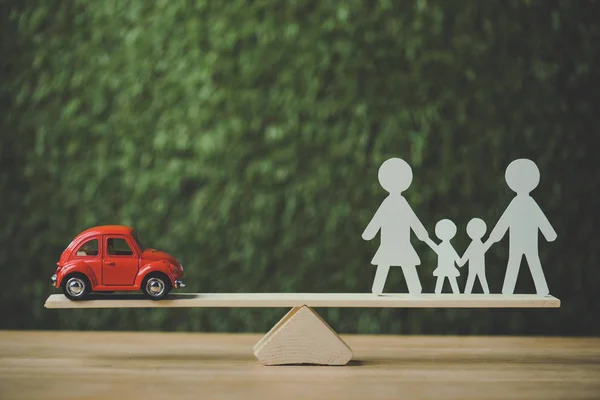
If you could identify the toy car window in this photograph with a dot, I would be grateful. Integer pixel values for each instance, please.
(118, 247)
(89, 248)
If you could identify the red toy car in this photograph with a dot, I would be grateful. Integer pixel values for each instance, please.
(113, 258)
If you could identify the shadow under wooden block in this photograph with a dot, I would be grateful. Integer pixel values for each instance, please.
(302, 337)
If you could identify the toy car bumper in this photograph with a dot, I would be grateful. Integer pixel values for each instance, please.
(179, 284)
(53, 280)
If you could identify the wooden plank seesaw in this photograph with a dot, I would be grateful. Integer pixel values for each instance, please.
(302, 336)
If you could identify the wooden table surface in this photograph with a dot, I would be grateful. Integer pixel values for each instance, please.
(115, 365)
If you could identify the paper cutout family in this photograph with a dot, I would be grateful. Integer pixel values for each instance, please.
(394, 219)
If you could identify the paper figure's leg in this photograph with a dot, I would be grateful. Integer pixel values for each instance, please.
(454, 284)
(439, 284)
(412, 279)
(483, 281)
(470, 282)
(535, 266)
(380, 278)
(512, 271)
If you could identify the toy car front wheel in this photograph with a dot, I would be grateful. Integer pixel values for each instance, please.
(156, 286)
(75, 287)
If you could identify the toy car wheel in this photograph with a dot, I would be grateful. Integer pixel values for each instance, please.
(156, 286)
(76, 287)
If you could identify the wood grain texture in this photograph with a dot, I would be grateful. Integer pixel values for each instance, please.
(302, 337)
(122, 365)
(398, 300)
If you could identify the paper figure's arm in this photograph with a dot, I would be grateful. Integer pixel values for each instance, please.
(417, 226)
(545, 226)
(456, 256)
(431, 244)
(487, 245)
(374, 225)
(501, 226)
(463, 260)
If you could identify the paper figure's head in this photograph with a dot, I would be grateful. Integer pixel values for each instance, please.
(395, 175)
(445, 229)
(522, 176)
(476, 228)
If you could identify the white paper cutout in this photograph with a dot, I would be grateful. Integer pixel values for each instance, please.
(395, 218)
(475, 255)
(445, 230)
(522, 219)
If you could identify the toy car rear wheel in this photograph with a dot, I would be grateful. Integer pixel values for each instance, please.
(156, 286)
(76, 286)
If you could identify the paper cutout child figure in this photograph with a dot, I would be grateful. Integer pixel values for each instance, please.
(395, 218)
(523, 218)
(447, 256)
(475, 255)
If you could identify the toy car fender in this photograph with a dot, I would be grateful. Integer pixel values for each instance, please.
(76, 267)
(161, 266)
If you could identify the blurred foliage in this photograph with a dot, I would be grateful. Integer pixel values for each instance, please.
(244, 138)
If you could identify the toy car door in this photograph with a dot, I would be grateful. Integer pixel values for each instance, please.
(120, 262)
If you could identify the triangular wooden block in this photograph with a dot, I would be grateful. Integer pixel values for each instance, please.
(302, 337)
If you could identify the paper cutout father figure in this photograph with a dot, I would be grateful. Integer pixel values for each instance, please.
(522, 219)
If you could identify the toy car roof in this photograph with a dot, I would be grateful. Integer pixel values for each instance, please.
(107, 229)
(96, 230)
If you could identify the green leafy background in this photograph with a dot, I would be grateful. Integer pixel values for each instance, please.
(244, 138)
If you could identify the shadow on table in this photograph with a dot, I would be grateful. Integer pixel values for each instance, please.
(131, 296)
(200, 357)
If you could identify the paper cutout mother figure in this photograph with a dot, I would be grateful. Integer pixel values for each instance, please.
(395, 218)
(522, 218)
